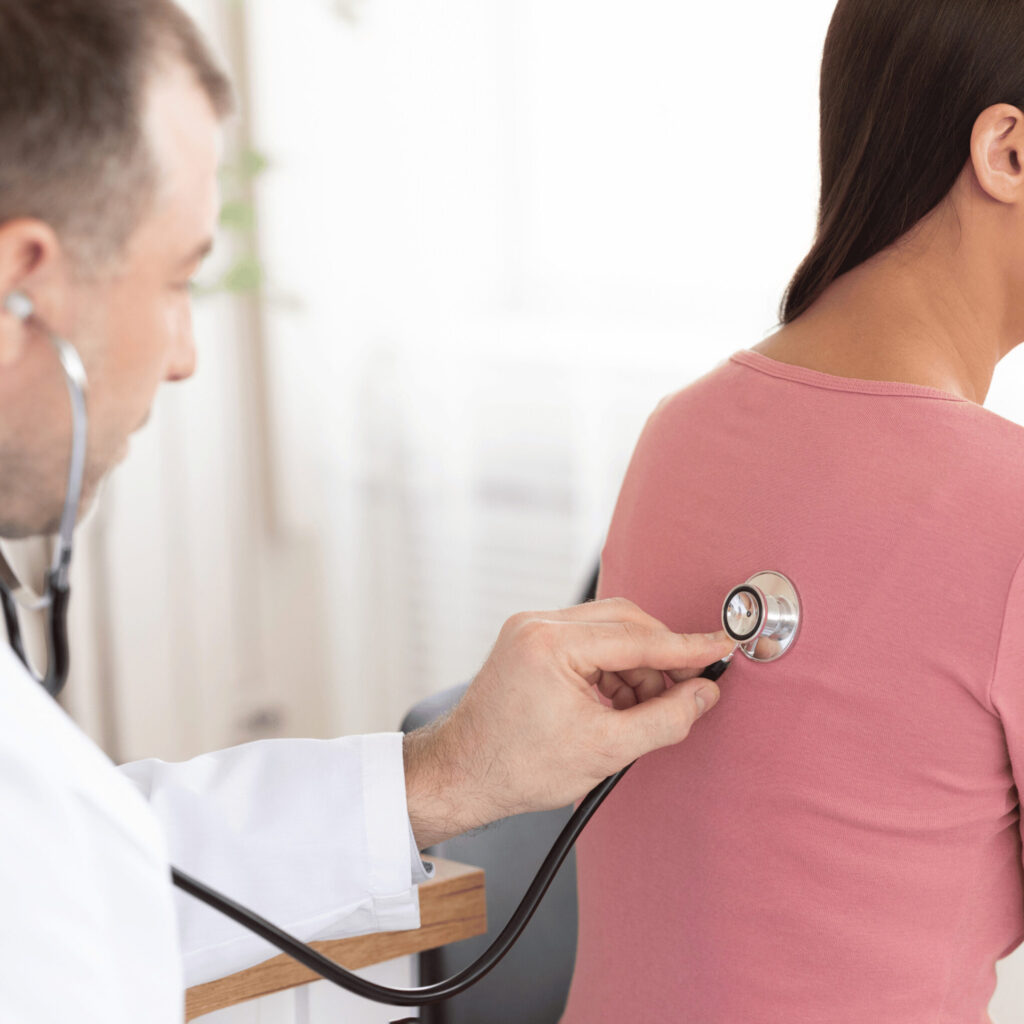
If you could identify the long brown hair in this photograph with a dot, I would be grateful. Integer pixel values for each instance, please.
(902, 83)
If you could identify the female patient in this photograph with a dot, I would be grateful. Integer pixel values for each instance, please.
(839, 838)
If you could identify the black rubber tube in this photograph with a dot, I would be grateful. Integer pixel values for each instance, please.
(427, 994)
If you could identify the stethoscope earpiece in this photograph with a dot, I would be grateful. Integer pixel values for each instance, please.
(19, 305)
(762, 615)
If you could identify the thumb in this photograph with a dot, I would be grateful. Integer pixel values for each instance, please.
(665, 719)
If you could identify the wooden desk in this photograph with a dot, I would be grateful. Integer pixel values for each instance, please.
(452, 907)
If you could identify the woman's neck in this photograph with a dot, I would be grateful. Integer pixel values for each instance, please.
(923, 313)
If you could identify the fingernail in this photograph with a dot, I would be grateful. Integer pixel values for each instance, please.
(706, 697)
(717, 638)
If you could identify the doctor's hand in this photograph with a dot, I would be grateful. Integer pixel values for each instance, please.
(531, 734)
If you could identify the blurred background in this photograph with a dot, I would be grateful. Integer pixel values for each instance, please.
(465, 249)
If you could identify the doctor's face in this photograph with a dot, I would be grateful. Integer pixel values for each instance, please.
(131, 323)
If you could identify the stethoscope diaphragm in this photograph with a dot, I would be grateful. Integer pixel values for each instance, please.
(762, 615)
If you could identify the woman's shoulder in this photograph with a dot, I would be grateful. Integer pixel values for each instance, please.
(929, 436)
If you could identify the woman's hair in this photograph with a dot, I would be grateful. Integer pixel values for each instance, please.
(902, 83)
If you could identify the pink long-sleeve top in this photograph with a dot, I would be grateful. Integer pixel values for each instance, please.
(838, 840)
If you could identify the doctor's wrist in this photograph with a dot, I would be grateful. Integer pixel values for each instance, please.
(443, 791)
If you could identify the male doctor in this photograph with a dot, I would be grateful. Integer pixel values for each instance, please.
(109, 141)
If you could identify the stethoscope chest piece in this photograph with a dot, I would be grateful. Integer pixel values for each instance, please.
(762, 616)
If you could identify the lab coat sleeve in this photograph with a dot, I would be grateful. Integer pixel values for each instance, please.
(314, 835)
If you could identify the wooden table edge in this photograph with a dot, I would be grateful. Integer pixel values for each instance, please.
(453, 906)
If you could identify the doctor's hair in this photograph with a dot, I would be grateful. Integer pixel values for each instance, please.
(902, 83)
(73, 78)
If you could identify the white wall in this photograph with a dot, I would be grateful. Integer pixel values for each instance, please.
(512, 227)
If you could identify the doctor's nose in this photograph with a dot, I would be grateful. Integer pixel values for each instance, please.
(182, 363)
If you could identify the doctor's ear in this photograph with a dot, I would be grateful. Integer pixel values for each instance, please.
(31, 264)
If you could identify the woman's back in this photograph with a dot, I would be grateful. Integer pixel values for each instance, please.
(838, 839)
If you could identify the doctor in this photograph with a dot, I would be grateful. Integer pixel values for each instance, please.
(109, 126)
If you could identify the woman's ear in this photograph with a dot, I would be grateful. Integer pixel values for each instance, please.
(997, 151)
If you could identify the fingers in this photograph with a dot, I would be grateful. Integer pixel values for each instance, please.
(624, 689)
(609, 609)
(621, 610)
(591, 648)
(646, 683)
(662, 721)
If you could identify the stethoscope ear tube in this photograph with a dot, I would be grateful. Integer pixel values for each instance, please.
(57, 593)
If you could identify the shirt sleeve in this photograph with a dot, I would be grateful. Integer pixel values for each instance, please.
(1007, 685)
(314, 835)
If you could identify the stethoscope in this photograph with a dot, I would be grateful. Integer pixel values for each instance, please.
(54, 600)
(762, 616)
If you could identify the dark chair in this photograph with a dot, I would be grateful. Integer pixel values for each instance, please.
(532, 982)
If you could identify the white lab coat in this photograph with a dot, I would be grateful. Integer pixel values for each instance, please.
(313, 834)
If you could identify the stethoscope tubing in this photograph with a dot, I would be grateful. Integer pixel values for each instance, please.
(468, 976)
(57, 591)
(439, 991)
(55, 604)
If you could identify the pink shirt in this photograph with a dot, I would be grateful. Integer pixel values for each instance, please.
(838, 840)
